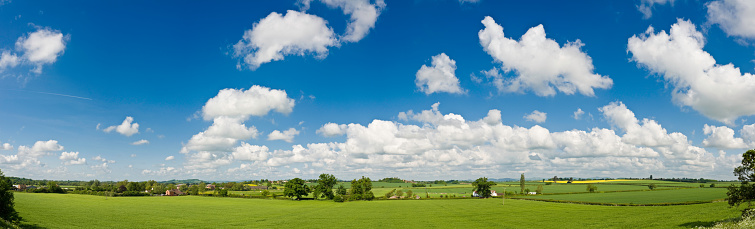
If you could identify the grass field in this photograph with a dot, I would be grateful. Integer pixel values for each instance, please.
(643, 197)
(84, 211)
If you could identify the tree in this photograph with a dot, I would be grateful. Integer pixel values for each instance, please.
(361, 189)
(591, 188)
(482, 186)
(746, 174)
(296, 188)
(521, 183)
(555, 178)
(409, 194)
(389, 194)
(651, 186)
(651, 177)
(539, 189)
(7, 210)
(341, 190)
(325, 186)
(399, 193)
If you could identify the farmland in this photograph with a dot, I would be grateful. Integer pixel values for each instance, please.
(77, 211)
(84, 211)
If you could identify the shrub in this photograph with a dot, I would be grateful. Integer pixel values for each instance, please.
(712, 185)
(651, 186)
(338, 198)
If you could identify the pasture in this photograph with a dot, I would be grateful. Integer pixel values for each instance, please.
(85, 211)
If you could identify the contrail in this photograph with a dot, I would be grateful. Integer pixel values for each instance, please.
(48, 93)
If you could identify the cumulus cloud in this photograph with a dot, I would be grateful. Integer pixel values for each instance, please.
(541, 63)
(646, 6)
(8, 60)
(363, 15)
(735, 17)
(748, 134)
(578, 114)
(331, 129)
(257, 101)
(276, 36)
(439, 77)
(72, 158)
(127, 128)
(286, 135)
(170, 158)
(448, 142)
(140, 142)
(228, 111)
(649, 133)
(536, 116)
(720, 92)
(722, 137)
(6, 146)
(35, 49)
(247, 152)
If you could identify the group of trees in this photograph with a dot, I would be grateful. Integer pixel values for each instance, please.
(7, 210)
(360, 189)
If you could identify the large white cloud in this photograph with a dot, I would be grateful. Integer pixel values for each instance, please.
(127, 128)
(228, 110)
(276, 36)
(6, 146)
(286, 135)
(72, 158)
(735, 17)
(42, 47)
(257, 101)
(541, 63)
(439, 77)
(720, 92)
(646, 6)
(722, 137)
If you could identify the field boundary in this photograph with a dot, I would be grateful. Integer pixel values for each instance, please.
(621, 204)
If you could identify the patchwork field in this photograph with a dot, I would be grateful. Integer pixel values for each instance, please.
(643, 197)
(84, 211)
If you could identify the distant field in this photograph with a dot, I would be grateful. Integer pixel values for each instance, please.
(644, 197)
(84, 211)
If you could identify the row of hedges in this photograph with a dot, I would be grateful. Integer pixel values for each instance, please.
(619, 204)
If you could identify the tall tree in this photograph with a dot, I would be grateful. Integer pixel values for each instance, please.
(482, 186)
(325, 186)
(296, 188)
(361, 189)
(7, 211)
(521, 183)
(745, 193)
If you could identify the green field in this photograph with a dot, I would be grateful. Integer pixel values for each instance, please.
(643, 197)
(84, 211)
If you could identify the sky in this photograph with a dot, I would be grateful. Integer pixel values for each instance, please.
(422, 89)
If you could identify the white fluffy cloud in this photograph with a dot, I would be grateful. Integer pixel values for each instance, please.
(646, 6)
(536, 116)
(363, 16)
(229, 110)
(286, 135)
(140, 142)
(257, 101)
(72, 158)
(722, 137)
(720, 92)
(6, 146)
(439, 77)
(650, 133)
(331, 130)
(127, 128)
(42, 47)
(169, 158)
(247, 152)
(8, 60)
(735, 17)
(578, 114)
(276, 36)
(541, 63)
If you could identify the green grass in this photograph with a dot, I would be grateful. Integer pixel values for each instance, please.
(643, 197)
(84, 211)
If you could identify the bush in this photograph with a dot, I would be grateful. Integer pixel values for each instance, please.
(651, 186)
(591, 188)
(712, 185)
(702, 185)
(338, 198)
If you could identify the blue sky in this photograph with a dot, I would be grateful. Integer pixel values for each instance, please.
(421, 90)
